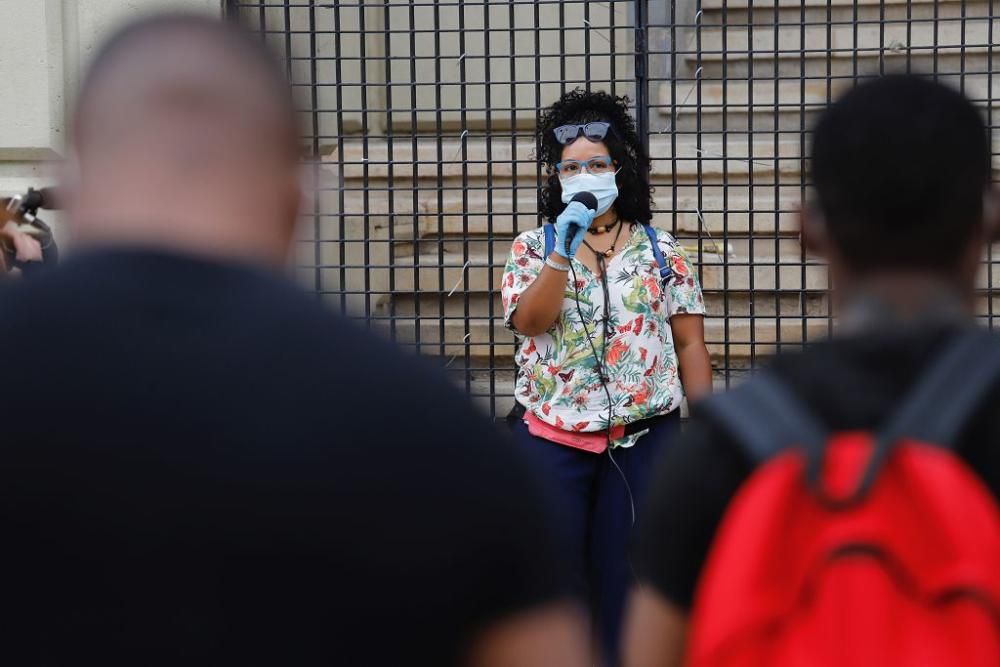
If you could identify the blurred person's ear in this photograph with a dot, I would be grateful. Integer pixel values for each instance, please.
(294, 198)
(68, 175)
(812, 232)
(991, 215)
(292, 203)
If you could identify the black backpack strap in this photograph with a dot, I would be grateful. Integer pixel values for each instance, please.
(764, 417)
(950, 391)
(943, 401)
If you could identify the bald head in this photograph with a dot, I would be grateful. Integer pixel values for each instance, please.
(185, 133)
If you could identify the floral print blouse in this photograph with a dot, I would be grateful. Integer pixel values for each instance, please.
(557, 379)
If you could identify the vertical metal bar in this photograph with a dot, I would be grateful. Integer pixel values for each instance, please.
(464, 152)
(881, 38)
(642, 73)
(315, 149)
(674, 68)
(751, 194)
(439, 184)
(490, 259)
(539, 103)
(804, 167)
(723, 115)
(936, 41)
(612, 40)
(699, 158)
(909, 36)
(776, 183)
(961, 42)
(286, 6)
(390, 141)
(514, 176)
(562, 42)
(415, 178)
(586, 46)
(990, 41)
(341, 146)
(365, 157)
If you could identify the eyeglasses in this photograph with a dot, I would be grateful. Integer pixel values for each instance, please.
(595, 165)
(596, 131)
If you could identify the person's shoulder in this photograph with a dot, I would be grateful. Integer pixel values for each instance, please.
(531, 238)
(48, 294)
(664, 238)
(527, 248)
(664, 235)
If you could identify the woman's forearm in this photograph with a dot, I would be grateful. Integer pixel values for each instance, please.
(695, 370)
(692, 355)
(539, 305)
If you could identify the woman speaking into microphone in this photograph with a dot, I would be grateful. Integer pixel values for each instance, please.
(611, 315)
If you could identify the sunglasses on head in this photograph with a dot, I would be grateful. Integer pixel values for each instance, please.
(596, 131)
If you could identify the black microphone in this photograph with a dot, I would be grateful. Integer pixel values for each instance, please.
(587, 199)
(47, 198)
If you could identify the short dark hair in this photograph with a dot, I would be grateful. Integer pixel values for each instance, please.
(634, 202)
(248, 47)
(900, 166)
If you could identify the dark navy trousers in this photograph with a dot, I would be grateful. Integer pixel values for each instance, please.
(594, 509)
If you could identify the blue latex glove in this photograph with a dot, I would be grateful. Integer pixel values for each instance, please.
(572, 223)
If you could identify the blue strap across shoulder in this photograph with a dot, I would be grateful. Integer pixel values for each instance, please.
(665, 271)
(550, 238)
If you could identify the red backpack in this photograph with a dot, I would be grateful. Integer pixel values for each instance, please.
(856, 548)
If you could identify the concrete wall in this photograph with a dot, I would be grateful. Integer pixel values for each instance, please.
(46, 46)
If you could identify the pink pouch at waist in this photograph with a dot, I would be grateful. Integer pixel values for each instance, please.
(595, 442)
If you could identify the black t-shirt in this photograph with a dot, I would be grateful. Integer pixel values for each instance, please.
(849, 383)
(201, 465)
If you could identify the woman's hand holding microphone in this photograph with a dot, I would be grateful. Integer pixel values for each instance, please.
(541, 303)
(572, 224)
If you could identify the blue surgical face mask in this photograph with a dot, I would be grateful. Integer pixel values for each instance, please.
(602, 186)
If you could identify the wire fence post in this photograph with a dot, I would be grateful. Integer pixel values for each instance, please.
(642, 71)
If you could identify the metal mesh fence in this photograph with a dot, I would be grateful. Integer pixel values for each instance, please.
(420, 117)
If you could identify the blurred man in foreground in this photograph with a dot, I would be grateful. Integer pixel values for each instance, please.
(869, 533)
(202, 466)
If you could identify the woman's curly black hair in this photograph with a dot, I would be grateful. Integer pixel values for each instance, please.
(635, 198)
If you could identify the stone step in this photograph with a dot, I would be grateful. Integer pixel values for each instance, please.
(864, 13)
(357, 270)
(769, 43)
(690, 213)
(733, 337)
(734, 39)
(487, 305)
(452, 273)
(368, 163)
(718, 5)
(495, 249)
(795, 288)
(712, 8)
(454, 336)
(771, 104)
